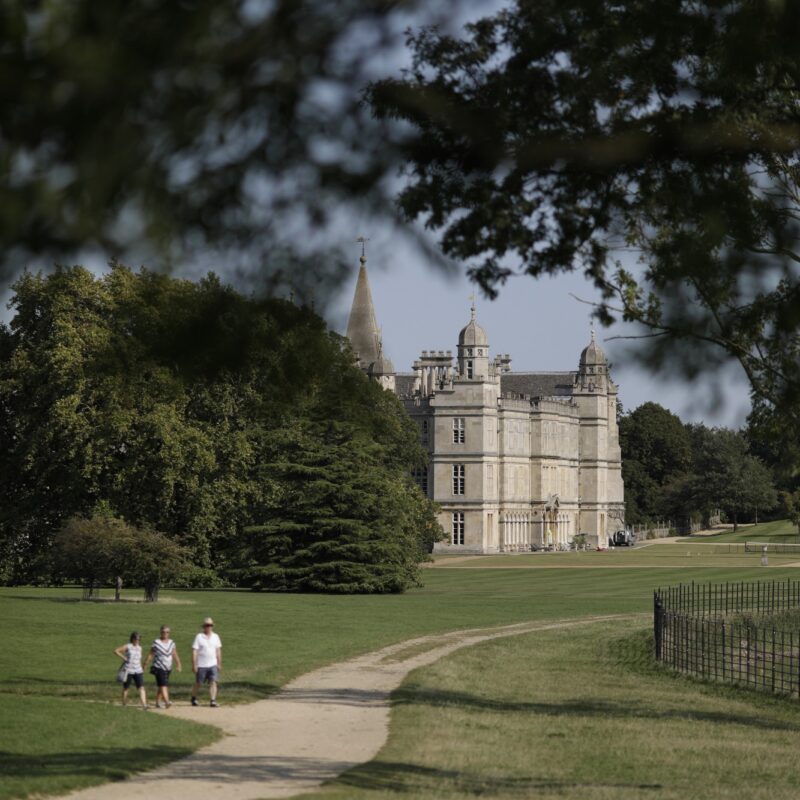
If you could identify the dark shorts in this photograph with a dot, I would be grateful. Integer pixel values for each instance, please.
(207, 675)
(136, 677)
(162, 676)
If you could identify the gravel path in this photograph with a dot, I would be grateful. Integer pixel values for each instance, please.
(312, 730)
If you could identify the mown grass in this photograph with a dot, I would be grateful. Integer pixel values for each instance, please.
(781, 530)
(578, 713)
(50, 746)
(689, 554)
(61, 649)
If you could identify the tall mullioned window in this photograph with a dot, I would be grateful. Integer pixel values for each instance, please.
(458, 478)
(457, 535)
(424, 432)
(421, 477)
(458, 430)
(469, 369)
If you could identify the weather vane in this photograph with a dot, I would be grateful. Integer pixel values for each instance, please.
(362, 240)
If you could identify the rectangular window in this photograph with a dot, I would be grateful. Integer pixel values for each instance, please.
(458, 430)
(469, 369)
(458, 478)
(424, 434)
(490, 478)
(457, 536)
(421, 478)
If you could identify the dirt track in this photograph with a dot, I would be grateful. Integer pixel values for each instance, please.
(315, 728)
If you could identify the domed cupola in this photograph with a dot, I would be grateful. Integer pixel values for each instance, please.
(472, 335)
(593, 355)
(593, 368)
(473, 350)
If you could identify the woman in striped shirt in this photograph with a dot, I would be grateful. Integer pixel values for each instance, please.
(131, 654)
(161, 653)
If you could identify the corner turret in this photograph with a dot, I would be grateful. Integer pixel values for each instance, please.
(473, 351)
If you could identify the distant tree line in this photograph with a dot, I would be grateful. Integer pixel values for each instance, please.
(685, 471)
(240, 431)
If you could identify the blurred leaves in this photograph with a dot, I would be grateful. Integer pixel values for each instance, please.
(164, 131)
(559, 134)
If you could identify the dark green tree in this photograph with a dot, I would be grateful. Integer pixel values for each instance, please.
(726, 476)
(550, 135)
(91, 551)
(767, 439)
(656, 450)
(150, 560)
(790, 506)
(96, 550)
(165, 399)
(342, 520)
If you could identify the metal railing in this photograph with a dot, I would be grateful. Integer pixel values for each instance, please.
(742, 633)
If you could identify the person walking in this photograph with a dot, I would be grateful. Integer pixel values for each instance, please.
(206, 661)
(131, 654)
(162, 652)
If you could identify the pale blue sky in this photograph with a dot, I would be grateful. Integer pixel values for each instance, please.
(537, 322)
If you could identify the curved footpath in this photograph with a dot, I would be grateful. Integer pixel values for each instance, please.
(315, 728)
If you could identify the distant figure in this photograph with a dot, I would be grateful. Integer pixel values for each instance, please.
(131, 654)
(162, 651)
(206, 661)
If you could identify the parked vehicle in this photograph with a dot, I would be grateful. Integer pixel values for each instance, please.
(624, 538)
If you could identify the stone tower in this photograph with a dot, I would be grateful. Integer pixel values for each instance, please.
(600, 488)
(364, 334)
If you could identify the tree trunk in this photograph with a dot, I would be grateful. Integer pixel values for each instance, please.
(735, 522)
(118, 589)
(151, 593)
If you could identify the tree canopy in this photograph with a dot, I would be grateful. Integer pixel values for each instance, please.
(656, 449)
(681, 471)
(101, 548)
(554, 136)
(166, 400)
(165, 132)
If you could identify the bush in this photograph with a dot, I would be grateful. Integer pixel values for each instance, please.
(96, 550)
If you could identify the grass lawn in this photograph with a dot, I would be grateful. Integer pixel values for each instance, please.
(48, 746)
(578, 713)
(687, 554)
(61, 649)
(780, 530)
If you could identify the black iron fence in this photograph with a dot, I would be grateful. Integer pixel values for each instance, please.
(772, 547)
(742, 633)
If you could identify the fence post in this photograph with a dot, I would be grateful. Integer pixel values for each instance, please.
(658, 624)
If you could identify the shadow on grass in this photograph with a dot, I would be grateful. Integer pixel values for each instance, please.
(48, 687)
(579, 707)
(101, 763)
(417, 780)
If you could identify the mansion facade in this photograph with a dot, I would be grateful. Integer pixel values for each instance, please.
(518, 460)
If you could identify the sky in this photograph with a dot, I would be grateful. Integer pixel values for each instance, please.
(538, 322)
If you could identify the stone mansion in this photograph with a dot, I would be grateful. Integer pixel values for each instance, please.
(518, 460)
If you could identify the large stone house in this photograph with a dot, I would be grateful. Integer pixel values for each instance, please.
(518, 460)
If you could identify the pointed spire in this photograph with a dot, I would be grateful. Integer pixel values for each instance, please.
(362, 327)
(472, 306)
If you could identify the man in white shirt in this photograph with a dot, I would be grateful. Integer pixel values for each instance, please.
(206, 661)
